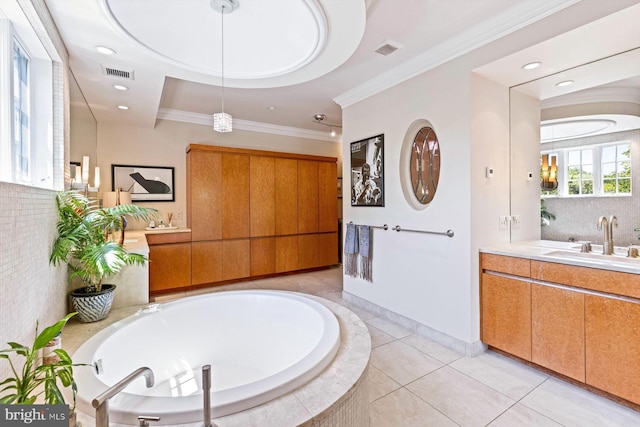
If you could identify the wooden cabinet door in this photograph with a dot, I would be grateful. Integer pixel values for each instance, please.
(263, 256)
(506, 314)
(307, 196)
(235, 196)
(169, 266)
(327, 249)
(613, 346)
(327, 197)
(286, 184)
(236, 259)
(557, 330)
(308, 251)
(262, 200)
(286, 253)
(206, 262)
(204, 189)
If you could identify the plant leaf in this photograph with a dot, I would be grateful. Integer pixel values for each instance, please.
(50, 332)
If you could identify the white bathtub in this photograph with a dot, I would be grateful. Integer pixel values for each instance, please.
(260, 345)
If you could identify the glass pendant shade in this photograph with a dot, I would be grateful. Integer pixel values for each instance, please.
(222, 122)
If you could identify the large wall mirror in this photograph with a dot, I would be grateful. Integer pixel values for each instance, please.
(83, 129)
(593, 136)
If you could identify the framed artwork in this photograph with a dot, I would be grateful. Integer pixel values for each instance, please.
(367, 172)
(145, 183)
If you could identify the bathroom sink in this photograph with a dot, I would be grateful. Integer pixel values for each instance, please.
(596, 259)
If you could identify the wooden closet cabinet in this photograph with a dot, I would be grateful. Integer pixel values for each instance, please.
(257, 213)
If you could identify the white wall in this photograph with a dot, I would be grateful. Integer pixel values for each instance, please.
(525, 158)
(165, 145)
(423, 277)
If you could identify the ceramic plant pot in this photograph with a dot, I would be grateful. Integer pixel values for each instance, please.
(92, 306)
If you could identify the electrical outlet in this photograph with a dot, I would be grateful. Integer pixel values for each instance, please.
(504, 222)
(515, 219)
(179, 215)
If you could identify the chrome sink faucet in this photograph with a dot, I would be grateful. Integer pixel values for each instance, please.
(607, 225)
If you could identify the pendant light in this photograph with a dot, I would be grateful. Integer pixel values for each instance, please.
(223, 122)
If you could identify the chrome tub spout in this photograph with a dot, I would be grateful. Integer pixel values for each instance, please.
(101, 403)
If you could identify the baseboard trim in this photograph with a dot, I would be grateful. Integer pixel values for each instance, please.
(455, 344)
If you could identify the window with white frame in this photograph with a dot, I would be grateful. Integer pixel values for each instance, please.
(26, 102)
(616, 169)
(598, 170)
(580, 171)
(21, 148)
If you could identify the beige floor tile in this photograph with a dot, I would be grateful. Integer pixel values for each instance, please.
(461, 398)
(380, 384)
(378, 337)
(403, 409)
(509, 377)
(520, 415)
(390, 328)
(402, 363)
(431, 348)
(572, 406)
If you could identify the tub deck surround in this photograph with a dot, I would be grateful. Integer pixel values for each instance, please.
(338, 395)
(573, 314)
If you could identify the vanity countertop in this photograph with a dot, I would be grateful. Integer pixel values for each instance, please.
(567, 253)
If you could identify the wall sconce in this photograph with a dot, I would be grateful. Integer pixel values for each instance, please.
(81, 178)
(549, 173)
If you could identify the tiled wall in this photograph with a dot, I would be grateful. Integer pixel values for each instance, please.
(30, 289)
(577, 218)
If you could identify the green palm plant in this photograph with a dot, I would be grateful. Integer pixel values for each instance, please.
(83, 238)
(34, 380)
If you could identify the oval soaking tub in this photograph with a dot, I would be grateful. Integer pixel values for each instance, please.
(260, 345)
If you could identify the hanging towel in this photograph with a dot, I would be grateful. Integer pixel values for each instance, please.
(351, 251)
(365, 269)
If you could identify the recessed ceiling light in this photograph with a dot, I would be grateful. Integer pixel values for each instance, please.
(271, 107)
(120, 87)
(531, 65)
(565, 83)
(123, 107)
(105, 50)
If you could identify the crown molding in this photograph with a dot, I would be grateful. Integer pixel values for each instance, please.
(513, 19)
(589, 96)
(247, 125)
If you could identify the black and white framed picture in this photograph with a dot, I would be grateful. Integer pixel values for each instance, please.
(145, 183)
(367, 172)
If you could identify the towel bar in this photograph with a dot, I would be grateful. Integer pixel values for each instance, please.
(448, 233)
(382, 227)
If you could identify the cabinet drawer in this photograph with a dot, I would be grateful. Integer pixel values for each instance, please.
(612, 282)
(164, 238)
(506, 264)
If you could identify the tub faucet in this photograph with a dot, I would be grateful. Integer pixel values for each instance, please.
(206, 394)
(101, 403)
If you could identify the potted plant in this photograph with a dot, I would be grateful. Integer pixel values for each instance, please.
(84, 243)
(36, 382)
(545, 216)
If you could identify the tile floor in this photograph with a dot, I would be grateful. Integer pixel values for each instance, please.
(417, 382)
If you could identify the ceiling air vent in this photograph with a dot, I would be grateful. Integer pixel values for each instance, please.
(114, 72)
(387, 47)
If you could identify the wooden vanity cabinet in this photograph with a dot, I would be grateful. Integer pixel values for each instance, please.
(613, 346)
(557, 330)
(169, 260)
(506, 314)
(583, 321)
